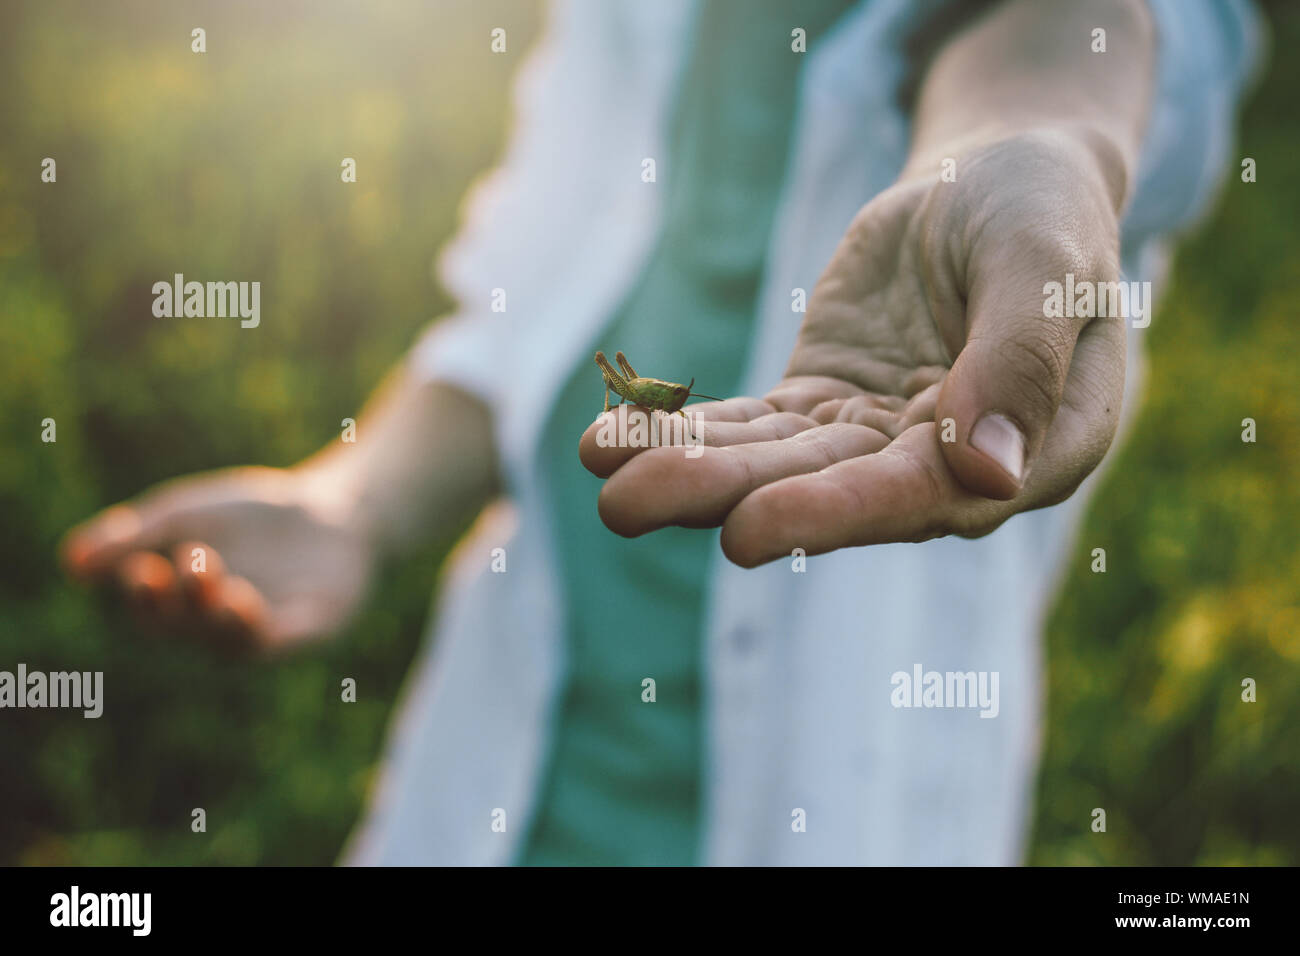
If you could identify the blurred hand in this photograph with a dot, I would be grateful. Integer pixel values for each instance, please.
(931, 309)
(279, 564)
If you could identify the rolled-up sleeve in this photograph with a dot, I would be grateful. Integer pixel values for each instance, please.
(1207, 53)
(503, 232)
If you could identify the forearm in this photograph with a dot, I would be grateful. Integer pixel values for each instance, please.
(1029, 65)
(422, 465)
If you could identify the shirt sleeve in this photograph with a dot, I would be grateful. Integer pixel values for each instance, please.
(1207, 53)
(463, 348)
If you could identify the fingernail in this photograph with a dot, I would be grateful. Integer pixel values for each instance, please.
(996, 436)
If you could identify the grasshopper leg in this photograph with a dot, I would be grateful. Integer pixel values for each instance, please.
(625, 365)
(689, 424)
(608, 406)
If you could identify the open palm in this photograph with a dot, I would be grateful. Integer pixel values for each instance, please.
(926, 380)
(243, 558)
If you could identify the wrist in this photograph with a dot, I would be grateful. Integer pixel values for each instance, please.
(332, 485)
(422, 467)
(1098, 154)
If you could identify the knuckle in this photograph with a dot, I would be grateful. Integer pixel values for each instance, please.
(1039, 369)
(1063, 491)
(974, 526)
(936, 494)
(977, 533)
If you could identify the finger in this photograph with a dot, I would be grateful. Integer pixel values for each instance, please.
(826, 412)
(239, 617)
(1089, 414)
(1006, 384)
(803, 393)
(901, 493)
(200, 572)
(94, 547)
(85, 549)
(662, 487)
(149, 588)
(829, 411)
(920, 408)
(855, 411)
(742, 408)
(620, 435)
(907, 492)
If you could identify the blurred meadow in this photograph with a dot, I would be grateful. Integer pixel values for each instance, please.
(226, 166)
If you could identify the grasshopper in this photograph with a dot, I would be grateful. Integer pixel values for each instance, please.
(652, 393)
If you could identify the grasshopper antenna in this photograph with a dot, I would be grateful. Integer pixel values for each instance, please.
(690, 394)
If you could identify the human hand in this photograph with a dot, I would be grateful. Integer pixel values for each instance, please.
(280, 561)
(928, 324)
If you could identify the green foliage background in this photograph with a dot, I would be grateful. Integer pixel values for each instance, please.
(1202, 588)
(226, 165)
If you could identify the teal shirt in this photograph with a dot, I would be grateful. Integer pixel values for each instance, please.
(623, 783)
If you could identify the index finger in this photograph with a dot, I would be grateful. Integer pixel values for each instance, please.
(93, 547)
(622, 433)
(904, 492)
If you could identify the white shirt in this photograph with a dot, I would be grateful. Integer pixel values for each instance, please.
(799, 665)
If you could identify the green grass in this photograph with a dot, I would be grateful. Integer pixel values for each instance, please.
(1202, 588)
(223, 166)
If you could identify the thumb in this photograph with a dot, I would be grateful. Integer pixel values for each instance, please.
(95, 546)
(1003, 391)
